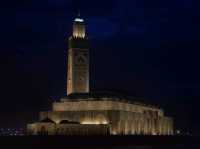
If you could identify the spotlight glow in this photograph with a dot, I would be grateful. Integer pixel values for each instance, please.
(79, 20)
(94, 122)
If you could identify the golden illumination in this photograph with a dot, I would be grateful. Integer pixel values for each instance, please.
(154, 133)
(79, 32)
(79, 28)
(94, 122)
(107, 113)
(114, 133)
(57, 121)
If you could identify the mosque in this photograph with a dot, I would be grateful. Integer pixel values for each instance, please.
(83, 112)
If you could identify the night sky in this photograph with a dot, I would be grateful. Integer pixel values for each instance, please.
(148, 49)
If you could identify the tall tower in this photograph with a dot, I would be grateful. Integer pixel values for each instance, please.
(78, 59)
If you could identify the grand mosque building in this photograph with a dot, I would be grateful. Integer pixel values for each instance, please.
(83, 112)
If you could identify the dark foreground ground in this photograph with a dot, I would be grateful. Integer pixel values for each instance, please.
(101, 142)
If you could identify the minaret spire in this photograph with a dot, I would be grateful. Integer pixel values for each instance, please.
(79, 27)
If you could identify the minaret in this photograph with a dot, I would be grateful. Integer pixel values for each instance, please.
(78, 59)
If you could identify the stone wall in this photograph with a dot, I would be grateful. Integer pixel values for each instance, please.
(121, 122)
(67, 129)
(105, 105)
(40, 128)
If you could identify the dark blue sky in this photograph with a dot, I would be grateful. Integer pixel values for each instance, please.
(145, 48)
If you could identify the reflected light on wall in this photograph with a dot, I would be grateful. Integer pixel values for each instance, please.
(79, 33)
(79, 28)
(154, 133)
(114, 133)
(57, 121)
(94, 122)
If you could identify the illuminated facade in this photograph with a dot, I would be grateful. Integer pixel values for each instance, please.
(78, 59)
(86, 113)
